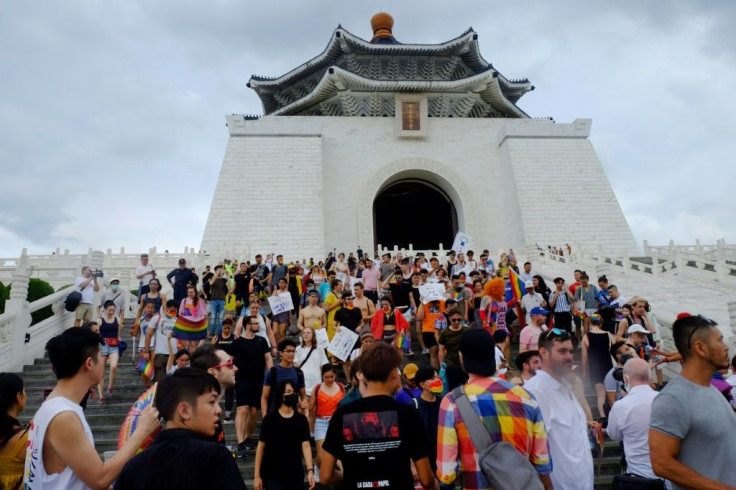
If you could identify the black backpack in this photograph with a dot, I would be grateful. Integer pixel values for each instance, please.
(72, 301)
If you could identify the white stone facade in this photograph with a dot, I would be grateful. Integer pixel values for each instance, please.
(303, 185)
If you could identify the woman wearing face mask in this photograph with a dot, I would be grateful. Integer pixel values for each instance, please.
(428, 405)
(13, 435)
(279, 458)
(388, 322)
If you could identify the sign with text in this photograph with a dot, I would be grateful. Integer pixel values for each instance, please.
(432, 291)
(461, 243)
(323, 341)
(342, 343)
(280, 303)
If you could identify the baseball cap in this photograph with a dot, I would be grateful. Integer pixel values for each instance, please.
(366, 333)
(537, 310)
(477, 348)
(636, 328)
(113, 279)
(529, 284)
(182, 261)
(410, 370)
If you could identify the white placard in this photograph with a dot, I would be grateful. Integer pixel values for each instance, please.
(432, 291)
(342, 343)
(280, 303)
(354, 281)
(323, 341)
(461, 243)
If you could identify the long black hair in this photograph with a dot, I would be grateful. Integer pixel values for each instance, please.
(278, 394)
(10, 385)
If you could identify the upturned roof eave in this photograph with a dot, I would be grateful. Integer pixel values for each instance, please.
(334, 49)
(327, 87)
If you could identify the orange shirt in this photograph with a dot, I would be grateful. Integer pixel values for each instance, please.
(327, 404)
(431, 312)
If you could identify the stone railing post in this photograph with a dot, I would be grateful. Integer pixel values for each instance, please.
(732, 316)
(18, 304)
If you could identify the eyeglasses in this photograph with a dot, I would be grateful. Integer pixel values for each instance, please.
(456, 320)
(701, 322)
(224, 364)
(290, 351)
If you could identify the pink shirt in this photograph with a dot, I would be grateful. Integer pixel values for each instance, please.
(370, 278)
(529, 337)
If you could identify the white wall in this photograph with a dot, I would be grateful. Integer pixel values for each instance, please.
(329, 169)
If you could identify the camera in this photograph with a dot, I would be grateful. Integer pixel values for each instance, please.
(97, 273)
(618, 373)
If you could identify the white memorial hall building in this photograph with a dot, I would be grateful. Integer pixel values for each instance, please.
(391, 143)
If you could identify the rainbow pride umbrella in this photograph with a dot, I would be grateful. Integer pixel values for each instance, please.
(131, 420)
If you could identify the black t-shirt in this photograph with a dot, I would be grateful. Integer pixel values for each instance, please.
(283, 437)
(430, 412)
(259, 272)
(375, 437)
(249, 359)
(242, 283)
(400, 292)
(349, 318)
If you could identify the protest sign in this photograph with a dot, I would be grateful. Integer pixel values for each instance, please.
(322, 340)
(342, 343)
(432, 291)
(461, 243)
(280, 303)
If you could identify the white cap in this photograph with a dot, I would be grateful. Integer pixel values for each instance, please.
(529, 284)
(636, 328)
(113, 279)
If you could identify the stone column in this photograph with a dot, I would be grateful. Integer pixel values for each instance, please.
(18, 304)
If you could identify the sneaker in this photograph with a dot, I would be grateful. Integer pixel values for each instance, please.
(240, 451)
(227, 421)
(110, 392)
(425, 351)
(250, 444)
(410, 353)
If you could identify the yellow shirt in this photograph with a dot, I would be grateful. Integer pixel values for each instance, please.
(331, 299)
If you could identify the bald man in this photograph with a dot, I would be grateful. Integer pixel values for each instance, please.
(629, 417)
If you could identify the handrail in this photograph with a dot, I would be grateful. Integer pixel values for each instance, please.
(49, 300)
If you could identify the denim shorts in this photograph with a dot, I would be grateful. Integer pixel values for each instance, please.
(107, 350)
(320, 429)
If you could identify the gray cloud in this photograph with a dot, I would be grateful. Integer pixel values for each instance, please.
(112, 129)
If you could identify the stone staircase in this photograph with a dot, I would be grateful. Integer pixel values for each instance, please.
(105, 420)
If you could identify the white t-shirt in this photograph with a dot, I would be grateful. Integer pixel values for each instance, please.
(499, 359)
(142, 269)
(529, 301)
(34, 475)
(163, 329)
(313, 368)
(88, 293)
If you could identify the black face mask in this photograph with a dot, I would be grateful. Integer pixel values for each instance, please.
(291, 400)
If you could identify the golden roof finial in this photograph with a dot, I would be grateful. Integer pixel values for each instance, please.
(382, 23)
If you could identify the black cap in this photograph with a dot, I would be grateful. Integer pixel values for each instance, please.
(182, 261)
(478, 350)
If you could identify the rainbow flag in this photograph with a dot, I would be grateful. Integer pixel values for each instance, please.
(517, 285)
(146, 368)
(187, 329)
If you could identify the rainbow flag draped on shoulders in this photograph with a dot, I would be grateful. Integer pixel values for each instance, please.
(189, 325)
(517, 285)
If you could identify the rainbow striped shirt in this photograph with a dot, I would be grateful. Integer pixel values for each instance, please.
(518, 420)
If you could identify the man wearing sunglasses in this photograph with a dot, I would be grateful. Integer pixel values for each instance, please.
(692, 433)
(219, 364)
(564, 419)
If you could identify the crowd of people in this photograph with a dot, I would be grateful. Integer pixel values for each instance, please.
(401, 420)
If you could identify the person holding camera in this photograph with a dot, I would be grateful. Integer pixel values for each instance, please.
(88, 286)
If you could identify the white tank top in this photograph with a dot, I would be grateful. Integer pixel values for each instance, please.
(35, 476)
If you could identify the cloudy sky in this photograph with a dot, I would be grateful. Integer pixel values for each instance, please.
(112, 125)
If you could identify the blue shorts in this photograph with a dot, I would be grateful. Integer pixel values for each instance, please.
(107, 350)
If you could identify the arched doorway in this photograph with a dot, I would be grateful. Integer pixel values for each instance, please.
(413, 211)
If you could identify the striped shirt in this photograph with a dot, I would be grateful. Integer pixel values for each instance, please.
(509, 413)
(562, 304)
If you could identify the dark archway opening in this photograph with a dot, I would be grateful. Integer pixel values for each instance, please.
(414, 212)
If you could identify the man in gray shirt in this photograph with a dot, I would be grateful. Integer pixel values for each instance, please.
(692, 433)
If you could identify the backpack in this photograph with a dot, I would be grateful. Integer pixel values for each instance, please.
(273, 375)
(500, 462)
(72, 301)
